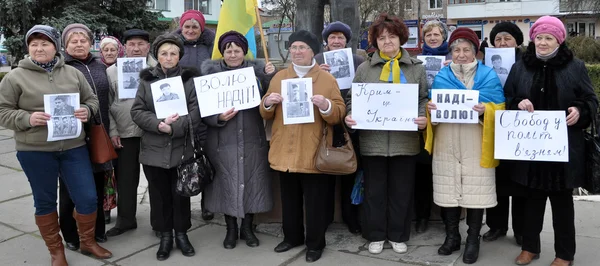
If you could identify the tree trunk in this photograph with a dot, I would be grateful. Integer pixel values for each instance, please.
(347, 11)
(309, 16)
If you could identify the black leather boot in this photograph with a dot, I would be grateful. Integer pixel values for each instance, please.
(183, 243)
(166, 245)
(232, 232)
(451, 218)
(246, 232)
(474, 219)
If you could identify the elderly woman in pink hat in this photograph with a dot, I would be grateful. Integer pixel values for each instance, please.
(549, 77)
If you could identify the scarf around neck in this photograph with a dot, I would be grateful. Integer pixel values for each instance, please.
(47, 66)
(390, 72)
(548, 56)
(441, 50)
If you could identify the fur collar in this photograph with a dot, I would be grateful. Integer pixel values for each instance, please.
(564, 56)
(155, 73)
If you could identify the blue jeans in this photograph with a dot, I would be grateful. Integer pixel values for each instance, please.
(73, 166)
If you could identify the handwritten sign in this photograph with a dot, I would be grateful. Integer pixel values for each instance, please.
(222, 91)
(381, 106)
(455, 106)
(537, 136)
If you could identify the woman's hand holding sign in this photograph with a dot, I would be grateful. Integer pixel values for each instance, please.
(273, 99)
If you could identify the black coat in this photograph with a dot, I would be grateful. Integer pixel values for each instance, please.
(573, 89)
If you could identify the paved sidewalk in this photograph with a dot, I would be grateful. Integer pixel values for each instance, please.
(21, 244)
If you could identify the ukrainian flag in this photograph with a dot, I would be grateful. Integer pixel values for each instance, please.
(240, 16)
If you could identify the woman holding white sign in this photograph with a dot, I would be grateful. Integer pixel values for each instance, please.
(463, 159)
(166, 143)
(238, 190)
(389, 157)
(548, 77)
(294, 147)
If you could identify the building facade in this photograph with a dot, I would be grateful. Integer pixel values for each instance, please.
(580, 20)
(173, 9)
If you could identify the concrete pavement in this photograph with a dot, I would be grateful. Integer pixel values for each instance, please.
(21, 244)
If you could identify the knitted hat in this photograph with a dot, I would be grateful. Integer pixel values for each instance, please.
(136, 33)
(337, 26)
(467, 34)
(76, 27)
(548, 25)
(192, 14)
(508, 27)
(167, 38)
(233, 37)
(48, 31)
(306, 37)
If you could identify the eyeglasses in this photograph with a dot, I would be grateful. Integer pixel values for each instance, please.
(299, 48)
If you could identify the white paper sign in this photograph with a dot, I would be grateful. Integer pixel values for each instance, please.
(385, 106)
(169, 97)
(128, 75)
(222, 91)
(297, 106)
(501, 60)
(341, 66)
(62, 124)
(537, 136)
(455, 106)
(433, 64)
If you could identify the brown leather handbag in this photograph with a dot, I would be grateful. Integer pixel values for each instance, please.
(336, 160)
(100, 147)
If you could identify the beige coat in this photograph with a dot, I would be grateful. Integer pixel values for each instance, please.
(458, 178)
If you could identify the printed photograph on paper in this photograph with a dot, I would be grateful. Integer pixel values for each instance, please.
(433, 65)
(63, 124)
(501, 60)
(128, 74)
(297, 106)
(341, 66)
(169, 97)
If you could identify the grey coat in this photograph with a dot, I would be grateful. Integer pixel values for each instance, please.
(157, 148)
(239, 151)
(382, 142)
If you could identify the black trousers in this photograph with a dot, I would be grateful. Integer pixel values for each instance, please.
(563, 222)
(68, 225)
(168, 210)
(389, 187)
(128, 179)
(349, 210)
(423, 190)
(313, 189)
(497, 217)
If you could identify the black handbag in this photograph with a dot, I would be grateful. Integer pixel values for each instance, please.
(195, 173)
(592, 156)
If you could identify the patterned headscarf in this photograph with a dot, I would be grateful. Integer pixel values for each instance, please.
(111, 40)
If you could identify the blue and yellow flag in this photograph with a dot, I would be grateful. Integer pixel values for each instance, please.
(240, 16)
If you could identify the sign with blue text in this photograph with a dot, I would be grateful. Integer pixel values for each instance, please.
(222, 91)
(384, 106)
(537, 136)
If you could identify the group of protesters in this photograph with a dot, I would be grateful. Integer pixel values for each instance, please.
(451, 165)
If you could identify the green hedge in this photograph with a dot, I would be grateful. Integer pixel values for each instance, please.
(594, 72)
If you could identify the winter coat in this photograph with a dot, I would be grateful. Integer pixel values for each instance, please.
(197, 51)
(293, 147)
(159, 149)
(121, 124)
(95, 73)
(22, 93)
(384, 142)
(239, 151)
(459, 180)
(573, 88)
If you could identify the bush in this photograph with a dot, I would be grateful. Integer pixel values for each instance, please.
(585, 48)
(594, 72)
(2, 75)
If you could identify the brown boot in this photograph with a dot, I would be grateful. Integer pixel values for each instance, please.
(86, 226)
(49, 228)
(561, 262)
(526, 257)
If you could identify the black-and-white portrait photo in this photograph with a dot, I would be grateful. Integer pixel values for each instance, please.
(167, 94)
(62, 105)
(339, 72)
(341, 66)
(430, 77)
(131, 81)
(433, 64)
(133, 65)
(497, 63)
(296, 92)
(337, 58)
(298, 109)
(64, 126)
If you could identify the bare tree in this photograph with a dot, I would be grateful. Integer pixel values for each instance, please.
(286, 10)
(370, 9)
(579, 6)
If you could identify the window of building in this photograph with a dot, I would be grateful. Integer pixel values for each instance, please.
(158, 4)
(201, 5)
(582, 29)
(435, 4)
(592, 30)
(408, 5)
(462, 2)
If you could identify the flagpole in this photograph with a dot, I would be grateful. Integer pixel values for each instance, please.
(262, 37)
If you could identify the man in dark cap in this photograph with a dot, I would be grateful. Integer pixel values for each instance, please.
(337, 35)
(125, 135)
